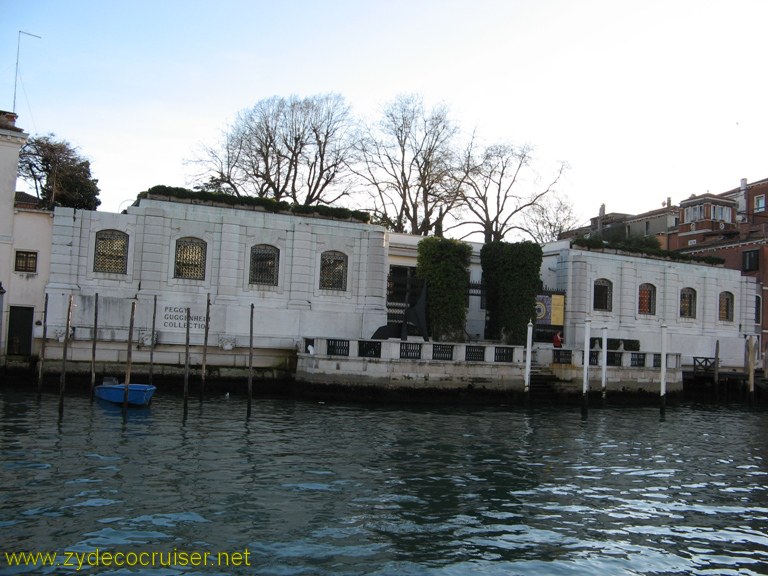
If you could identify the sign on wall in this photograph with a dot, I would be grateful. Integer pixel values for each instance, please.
(175, 318)
(550, 316)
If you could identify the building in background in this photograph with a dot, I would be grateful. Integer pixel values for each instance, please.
(25, 248)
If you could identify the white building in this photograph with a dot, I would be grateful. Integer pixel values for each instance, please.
(634, 296)
(298, 276)
(301, 278)
(25, 246)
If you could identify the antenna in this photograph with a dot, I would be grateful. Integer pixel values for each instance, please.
(16, 78)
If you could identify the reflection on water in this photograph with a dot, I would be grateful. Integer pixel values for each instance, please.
(313, 488)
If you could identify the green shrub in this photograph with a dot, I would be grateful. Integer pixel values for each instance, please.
(511, 276)
(444, 265)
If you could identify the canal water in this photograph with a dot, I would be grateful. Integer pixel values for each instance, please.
(311, 488)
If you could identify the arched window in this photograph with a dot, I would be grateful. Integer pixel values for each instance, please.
(646, 299)
(333, 270)
(687, 303)
(265, 263)
(725, 307)
(603, 295)
(190, 259)
(111, 252)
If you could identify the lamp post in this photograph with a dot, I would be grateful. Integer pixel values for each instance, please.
(2, 311)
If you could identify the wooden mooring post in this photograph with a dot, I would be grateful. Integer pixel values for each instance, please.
(528, 351)
(93, 344)
(751, 359)
(186, 364)
(585, 379)
(716, 367)
(205, 344)
(129, 356)
(152, 340)
(63, 376)
(41, 364)
(250, 362)
(663, 378)
(604, 362)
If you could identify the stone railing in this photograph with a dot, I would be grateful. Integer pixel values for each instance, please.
(479, 352)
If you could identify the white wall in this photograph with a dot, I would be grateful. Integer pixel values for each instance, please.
(578, 269)
(295, 308)
(13, 231)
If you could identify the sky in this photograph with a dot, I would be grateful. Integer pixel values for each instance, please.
(645, 100)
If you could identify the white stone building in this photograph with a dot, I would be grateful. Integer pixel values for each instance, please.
(634, 296)
(25, 246)
(302, 276)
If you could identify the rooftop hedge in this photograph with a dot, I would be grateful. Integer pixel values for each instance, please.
(634, 247)
(268, 204)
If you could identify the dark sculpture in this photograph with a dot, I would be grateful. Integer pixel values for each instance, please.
(415, 315)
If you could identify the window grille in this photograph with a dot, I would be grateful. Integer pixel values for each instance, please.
(442, 351)
(637, 360)
(503, 354)
(338, 347)
(369, 349)
(265, 262)
(657, 360)
(111, 253)
(561, 356)
(190, 259)
(477, 289)
(613, 358)
(646, 300)
(26, 262)
(725, 307)
(474, 354)
(603, 297)
(687, 303)
(410, 350)
(333, 270)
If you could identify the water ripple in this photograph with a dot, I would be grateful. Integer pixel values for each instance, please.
(326, 489)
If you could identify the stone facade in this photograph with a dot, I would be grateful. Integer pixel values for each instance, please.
(290, 304)
(25, 246)
(721, 306)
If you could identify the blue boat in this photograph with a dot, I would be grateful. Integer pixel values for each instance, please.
(112, 391)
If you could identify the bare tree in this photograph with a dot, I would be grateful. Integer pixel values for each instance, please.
(284, 148)
(498, 187)
(407, 161)
(549, 218)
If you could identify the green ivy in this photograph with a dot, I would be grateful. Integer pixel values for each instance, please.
(444, 265)
(511, 276)
(268, 204)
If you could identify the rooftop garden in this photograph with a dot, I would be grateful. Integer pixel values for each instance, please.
(643, 246)
(171, 193)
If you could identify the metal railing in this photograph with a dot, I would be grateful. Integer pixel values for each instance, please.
(338, 347)
(442, 351)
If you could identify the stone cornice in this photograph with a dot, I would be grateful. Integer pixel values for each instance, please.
(14, 137)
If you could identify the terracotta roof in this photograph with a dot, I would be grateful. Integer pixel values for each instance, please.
(26, 200)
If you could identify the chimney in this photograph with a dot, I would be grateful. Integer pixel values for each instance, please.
(8, 121)
(743, 184)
